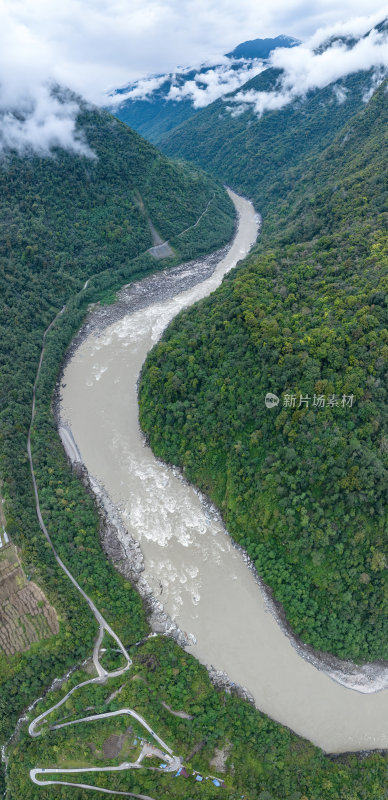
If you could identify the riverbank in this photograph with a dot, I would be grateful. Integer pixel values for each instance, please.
(190, 562)
(121, 548)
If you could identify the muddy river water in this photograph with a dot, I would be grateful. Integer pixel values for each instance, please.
(190, 563)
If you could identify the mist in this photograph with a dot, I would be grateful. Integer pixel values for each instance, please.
(309, 67)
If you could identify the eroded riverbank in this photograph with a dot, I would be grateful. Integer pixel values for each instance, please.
(190, 564)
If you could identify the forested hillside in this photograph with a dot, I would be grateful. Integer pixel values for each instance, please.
(153, 119)
(263, 156)
(302, 314)
(302, 485)
(63, 219)
(221, 735)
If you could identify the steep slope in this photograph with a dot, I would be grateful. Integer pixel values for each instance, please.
(263, 156)
(155, 105)
(254, 756)
(154, 116)
(65, 218)
(302, 485)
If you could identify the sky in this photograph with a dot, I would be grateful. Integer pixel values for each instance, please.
(93, 46)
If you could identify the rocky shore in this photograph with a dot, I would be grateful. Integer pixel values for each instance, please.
(126, 553)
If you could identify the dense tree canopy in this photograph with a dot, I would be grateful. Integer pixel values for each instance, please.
(303, 489)
(263, 156)
(303, 485)
(64, 218)
(261, 759)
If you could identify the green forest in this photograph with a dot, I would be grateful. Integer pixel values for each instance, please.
(303, 488)
(262, 760)
(64, 219)
(305, 315)
(264, 156)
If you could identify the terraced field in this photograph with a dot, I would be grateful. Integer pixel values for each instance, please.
(25, 614)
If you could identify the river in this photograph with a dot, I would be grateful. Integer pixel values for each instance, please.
(190, 563)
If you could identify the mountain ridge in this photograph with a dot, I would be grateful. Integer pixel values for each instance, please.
(252, 152)
(160, 103)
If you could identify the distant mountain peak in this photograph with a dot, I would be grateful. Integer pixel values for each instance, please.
(261, 48)
(155, 104)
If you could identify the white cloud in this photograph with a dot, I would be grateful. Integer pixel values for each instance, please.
(377, 78)
(32, 116)
(141, 90)
(209, 86)
(340, 93)
(39, 122)
(202, 89)
(305, 70)
(236, 111)
(351, 26)
(93, 46)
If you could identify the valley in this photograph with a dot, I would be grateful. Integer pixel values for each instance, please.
(191, 568)
(91, 775)
(193, 408)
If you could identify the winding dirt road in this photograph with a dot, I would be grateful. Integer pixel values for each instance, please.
(173, 762)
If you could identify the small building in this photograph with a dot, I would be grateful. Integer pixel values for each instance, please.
(198, 778)
(182, 773)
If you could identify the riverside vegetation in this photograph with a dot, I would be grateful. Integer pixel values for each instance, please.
(63, 219)
(302, 489)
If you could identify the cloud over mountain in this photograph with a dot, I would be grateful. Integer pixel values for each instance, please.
(328, 57)
(34, 115)
(92, 45)
(209, 86)
(203, 88)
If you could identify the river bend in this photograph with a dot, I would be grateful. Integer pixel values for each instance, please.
(190, 562)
